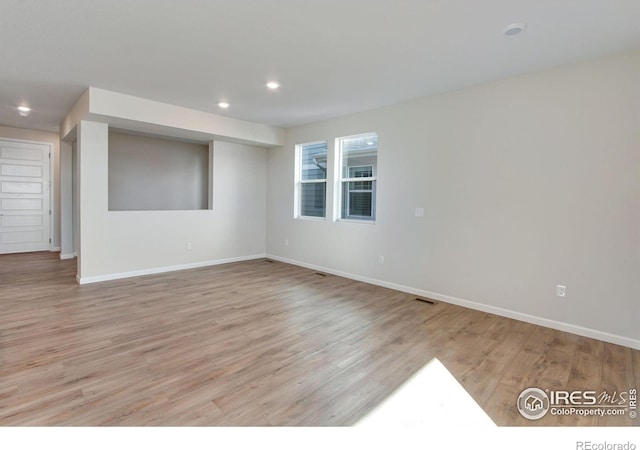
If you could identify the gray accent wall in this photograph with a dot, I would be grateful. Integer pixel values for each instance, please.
(149, 173)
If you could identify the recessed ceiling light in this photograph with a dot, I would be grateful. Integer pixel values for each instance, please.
(513, 29)
(370, 143)
(273, 85)
(223, 105)
(24, 110)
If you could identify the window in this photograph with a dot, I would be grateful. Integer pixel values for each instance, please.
(311, 190)
(358, 170)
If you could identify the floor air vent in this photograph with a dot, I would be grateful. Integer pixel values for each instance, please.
(425, 300)
(320, 274)
(268, 260)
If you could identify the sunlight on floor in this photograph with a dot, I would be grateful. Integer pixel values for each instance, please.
(432, 396)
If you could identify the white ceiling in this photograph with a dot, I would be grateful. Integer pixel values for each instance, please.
(332, 57)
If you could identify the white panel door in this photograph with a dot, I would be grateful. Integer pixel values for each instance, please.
(24, 196)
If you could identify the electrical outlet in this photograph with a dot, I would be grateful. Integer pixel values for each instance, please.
(286, 242)
(561, 291)
(381, 259)
(189, 246)
(418, 212)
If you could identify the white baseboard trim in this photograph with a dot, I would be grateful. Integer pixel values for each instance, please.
(67, 255)
(155, 270)
(55, 249)
(536, 320)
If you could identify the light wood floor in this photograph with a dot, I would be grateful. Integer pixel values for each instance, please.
(262, 343)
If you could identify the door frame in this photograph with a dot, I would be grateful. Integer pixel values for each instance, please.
(51, 183)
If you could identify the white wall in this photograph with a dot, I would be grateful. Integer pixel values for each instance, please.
(120, 243)
(75, 214)
(54, 140)
(66, 200)
(526, 183)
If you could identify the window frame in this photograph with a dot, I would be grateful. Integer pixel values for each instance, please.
(299, 181)
(372, 191)
(340, 179)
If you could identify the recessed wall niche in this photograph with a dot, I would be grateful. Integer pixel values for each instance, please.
(153, 173)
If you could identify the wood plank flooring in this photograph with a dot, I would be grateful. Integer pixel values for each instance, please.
(263, 343)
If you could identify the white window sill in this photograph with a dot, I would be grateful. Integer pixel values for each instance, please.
(312, 218)
(362, 222)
